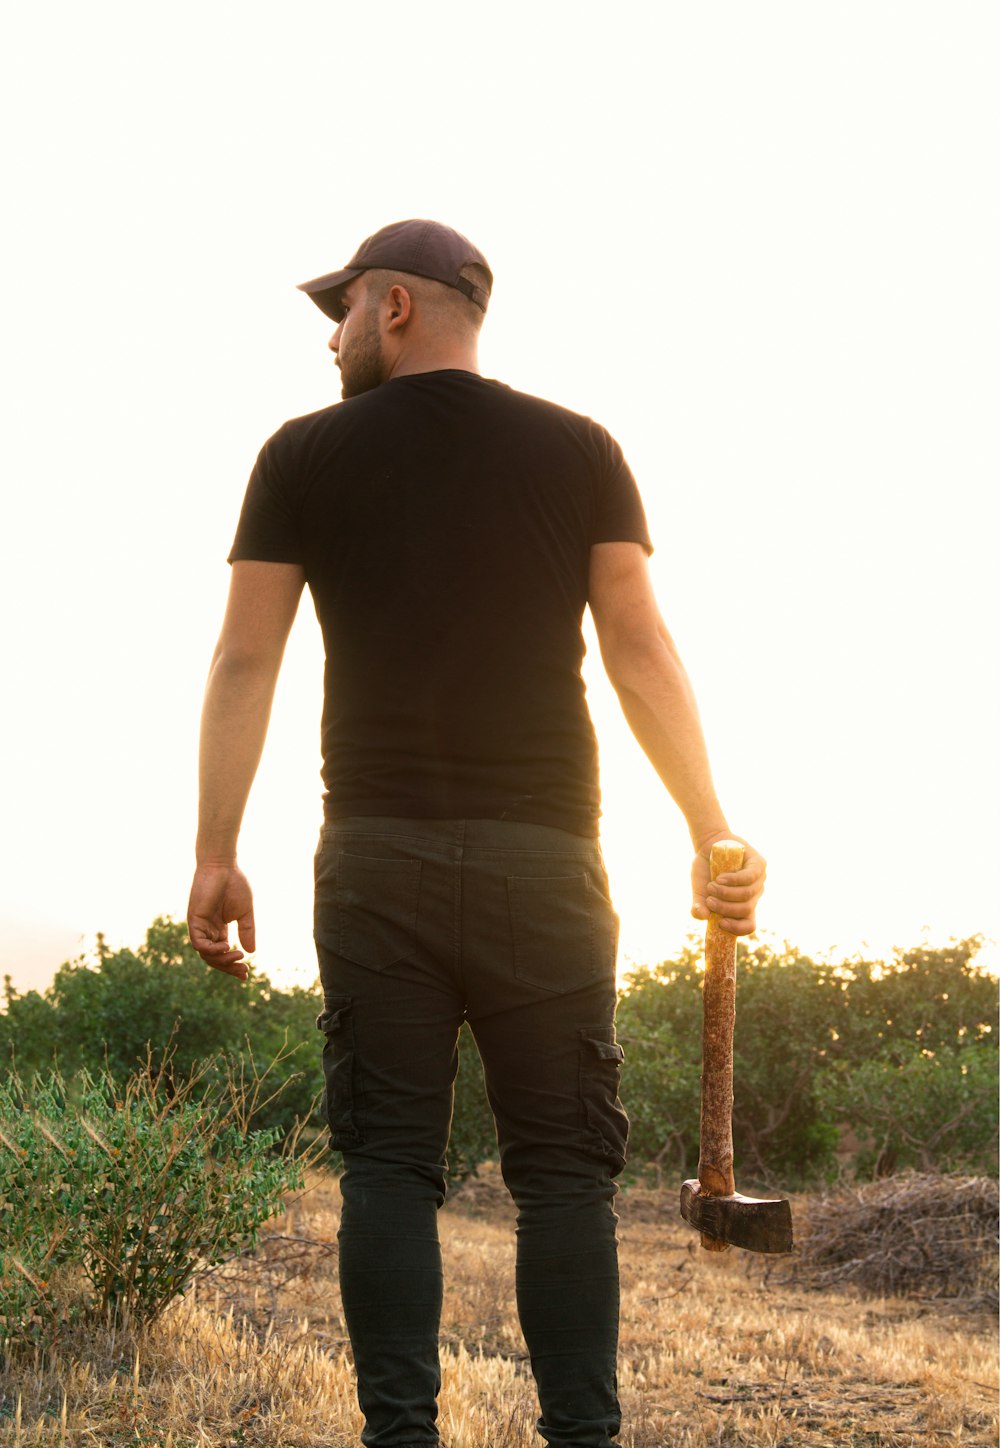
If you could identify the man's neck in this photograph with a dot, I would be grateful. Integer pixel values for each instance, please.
(446, 357)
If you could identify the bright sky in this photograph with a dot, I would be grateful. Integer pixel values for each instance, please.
(757, 242)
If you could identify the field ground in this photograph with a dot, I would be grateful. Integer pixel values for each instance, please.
(715, 1350)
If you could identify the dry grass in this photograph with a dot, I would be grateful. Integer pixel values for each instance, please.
(714, 1352)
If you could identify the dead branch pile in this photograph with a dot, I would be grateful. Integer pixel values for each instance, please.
(917, 1234)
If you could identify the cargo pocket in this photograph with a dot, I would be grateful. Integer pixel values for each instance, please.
(343, 1099)
(606, 1123)
(553, 931)
(376, 909)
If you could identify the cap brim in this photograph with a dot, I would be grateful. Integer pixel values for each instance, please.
(326, 291)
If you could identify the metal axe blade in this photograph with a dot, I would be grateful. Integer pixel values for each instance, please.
(759, 1225)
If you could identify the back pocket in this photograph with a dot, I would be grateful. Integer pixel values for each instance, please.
(377, 909)
(554, 927)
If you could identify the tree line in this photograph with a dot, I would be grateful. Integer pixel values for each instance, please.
(864, 1067)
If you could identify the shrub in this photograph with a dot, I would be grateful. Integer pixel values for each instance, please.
(933, 1111)
(117, 1008)
(111, 1201)
(473, 1135)
(785, 1005)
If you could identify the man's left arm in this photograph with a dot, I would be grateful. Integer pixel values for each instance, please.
(263, 599)
(656, 696)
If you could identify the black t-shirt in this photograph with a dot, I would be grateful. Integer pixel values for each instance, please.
(444, 523)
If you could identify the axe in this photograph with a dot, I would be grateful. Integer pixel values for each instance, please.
(712, 1204)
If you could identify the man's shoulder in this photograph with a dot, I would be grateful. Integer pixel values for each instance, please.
(544, 414)
(530, 401)
(298, 435)
(325, 418)
(487, 396)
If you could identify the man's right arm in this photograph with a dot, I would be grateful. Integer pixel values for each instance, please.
(657, 699)
(263, 599)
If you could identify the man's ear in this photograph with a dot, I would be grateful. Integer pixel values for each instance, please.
(399, 307)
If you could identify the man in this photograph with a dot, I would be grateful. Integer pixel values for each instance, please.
(452, 532)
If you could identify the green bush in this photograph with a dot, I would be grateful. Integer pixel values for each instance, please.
(473, 1135)
(785, 1008)
(903, 1053)
(899, 1054)
(659, 1029)
(118, 1008)
(930, 1112)
(114, 1194)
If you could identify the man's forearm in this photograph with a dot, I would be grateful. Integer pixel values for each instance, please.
(234, 723)
(659, 704)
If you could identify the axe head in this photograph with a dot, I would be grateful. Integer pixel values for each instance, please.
(738, 1221)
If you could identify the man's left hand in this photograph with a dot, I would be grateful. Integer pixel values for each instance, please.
(733, 896)
(219, 894)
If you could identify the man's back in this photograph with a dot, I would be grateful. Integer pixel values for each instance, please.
(444, 523)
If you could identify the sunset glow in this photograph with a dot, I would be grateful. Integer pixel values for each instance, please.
(754, 242)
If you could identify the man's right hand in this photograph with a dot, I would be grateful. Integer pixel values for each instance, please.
(219, 894)
(732, 897)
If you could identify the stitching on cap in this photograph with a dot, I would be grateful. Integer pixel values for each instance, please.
(422, 243)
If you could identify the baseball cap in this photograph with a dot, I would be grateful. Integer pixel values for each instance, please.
(422, 248)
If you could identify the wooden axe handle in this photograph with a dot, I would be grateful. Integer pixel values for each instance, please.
(715, 1164)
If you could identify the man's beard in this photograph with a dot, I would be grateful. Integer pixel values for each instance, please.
(362, 369)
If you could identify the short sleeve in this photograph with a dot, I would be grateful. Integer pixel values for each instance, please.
(268, 530)
(620, 516)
